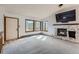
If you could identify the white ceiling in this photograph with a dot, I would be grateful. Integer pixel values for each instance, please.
(35, 10)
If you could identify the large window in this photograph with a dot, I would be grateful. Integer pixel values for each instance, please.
(29, 25)
(45, 26)
(37, 26)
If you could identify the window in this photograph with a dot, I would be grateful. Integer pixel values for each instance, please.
(29, 25)
(37, 26)
(41, 26)
(45, 26)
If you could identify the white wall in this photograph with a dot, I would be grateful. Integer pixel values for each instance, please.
(52, 20)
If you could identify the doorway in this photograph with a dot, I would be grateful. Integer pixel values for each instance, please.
(11, 28)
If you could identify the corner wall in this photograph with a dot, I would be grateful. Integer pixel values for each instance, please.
(52, 20)
(22, 18)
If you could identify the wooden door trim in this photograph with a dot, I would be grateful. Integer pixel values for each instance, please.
(5, 26)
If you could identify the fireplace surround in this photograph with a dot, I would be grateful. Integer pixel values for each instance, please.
(72, 33)
(64, 32)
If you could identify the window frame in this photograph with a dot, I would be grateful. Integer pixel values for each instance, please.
(26, 25)
(41, 25)
(35, 25)
(45, 26)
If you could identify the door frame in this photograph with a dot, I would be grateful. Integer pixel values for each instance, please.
(5, 18)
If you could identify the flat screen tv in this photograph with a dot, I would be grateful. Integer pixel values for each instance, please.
(66, 16)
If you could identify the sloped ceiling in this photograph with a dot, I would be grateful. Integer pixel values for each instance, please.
(35, 10)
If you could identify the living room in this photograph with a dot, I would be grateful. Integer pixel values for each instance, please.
(39, 28)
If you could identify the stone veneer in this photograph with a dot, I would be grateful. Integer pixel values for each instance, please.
(69, 28)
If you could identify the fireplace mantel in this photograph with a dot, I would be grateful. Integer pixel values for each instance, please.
(66, 24)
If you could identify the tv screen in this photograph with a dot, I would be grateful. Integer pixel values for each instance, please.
(66, 16)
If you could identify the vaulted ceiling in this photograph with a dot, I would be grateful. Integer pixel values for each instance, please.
(35, 10)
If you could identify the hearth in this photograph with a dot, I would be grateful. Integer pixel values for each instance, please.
(61, 32)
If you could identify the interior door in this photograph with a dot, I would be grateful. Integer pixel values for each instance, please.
(11, 28)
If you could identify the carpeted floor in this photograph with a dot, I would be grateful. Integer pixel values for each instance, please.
(40, 44)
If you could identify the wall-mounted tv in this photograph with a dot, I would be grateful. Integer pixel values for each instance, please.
(66, 16)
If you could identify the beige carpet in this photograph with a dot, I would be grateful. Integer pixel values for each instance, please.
(40, 44)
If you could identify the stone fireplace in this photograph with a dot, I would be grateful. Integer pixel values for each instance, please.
(63, 32)
(68, 32)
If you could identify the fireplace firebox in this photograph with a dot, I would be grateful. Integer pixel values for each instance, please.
(72, 34)
(61, 32)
